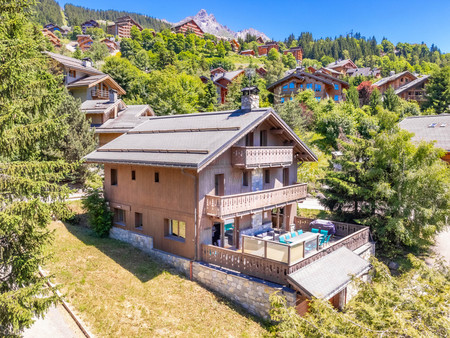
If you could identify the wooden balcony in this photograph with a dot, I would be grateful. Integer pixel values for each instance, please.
(260, 157)
(100, 94)
(353, 237)
(241, 204)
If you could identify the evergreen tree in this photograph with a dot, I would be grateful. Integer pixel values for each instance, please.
(374, 100)
(438, 91)
(390, 100)
(30, 193)
(352, 96)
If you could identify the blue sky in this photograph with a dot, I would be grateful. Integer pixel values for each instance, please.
(411, 21)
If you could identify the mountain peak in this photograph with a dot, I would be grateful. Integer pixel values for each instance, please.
(209, 24)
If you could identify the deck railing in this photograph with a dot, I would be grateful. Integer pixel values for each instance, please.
(104, 94)
(221, 206)
(342, 229)
(257, 157)
(261, 266)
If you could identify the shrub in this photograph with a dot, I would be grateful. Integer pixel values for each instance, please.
(99, 216)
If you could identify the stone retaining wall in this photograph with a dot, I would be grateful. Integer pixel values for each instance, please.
(251, 293)
(140, 241)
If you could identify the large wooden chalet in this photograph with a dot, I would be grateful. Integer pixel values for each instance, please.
(222, 79)
(406, 85)
(221, 187)
(264, 49)
(99, 95)
(52, 37)
(122, 27)
(89, 24)
(84, 42)
(188, 27)
(297, 52)
(324, 86)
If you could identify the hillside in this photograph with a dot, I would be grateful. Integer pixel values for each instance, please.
(48, 11)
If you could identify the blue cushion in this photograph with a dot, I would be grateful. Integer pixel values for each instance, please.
(316, 231)
(288, 236)
(324, 232)
(282, 240)
(293, 234)
(300, 232)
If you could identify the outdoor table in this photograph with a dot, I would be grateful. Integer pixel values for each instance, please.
(323, 224)
(304, 237)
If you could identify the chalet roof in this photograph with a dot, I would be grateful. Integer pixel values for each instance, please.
(341, 63)
(127, 18)
(73, 63)
(429, 128)
(91, 81)
(181, 23)
(126, 120)
(392, 78)
(230, 76)
(331, 78)
(365, 71)
(191, 140)
(100, 106)
(412, 84)
(325, 78)
(331, 70)
(330, 274)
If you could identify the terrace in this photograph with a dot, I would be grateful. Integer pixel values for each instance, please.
(269, 259)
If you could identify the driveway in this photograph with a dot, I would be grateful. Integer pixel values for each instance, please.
(311, 203)
(56, 324)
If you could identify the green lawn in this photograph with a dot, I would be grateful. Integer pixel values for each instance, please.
(119, 291)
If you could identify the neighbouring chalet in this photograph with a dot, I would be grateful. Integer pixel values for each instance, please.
(297, 52)
(248, 52)
(365, 71)
(222, 79)
(406, 85)
(264, 49)
(53, 28)
(430, 128)
(342, 66)
(122, 27)
(52, 37)
(89, 24)
(112, 45)
(221, 188)
(99, 95)
(84, 42)
(260, 40)
(188, 27)
(324, 86)
(235, 45)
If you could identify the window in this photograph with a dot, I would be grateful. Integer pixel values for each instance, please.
(282, 100)
(245, 178)
(138, 220)
(291, 85)
(309, 86)
(318, 99)
(249, 140)
(72, 73)
(285, 88)
(177, 229)
(336, 86)
(336, 97)
(113, 176)
(263, 138)
(133, 175)
(119, 216)
(290, 99)
(267, 176)
(318, 88)
(301, 86)
(157, 177)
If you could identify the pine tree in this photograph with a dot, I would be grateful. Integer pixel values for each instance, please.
(30, 193)
(438, 91)
(353, 96)
(390, 100)
(374, 100)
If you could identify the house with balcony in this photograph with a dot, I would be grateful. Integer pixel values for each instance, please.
(342, 66)
(324, 86)
(52, 37)
(100, 97)
(221, 188)
(222, 79)
(297, 52)
(187, 27)
(89, 24)
(84, 42)
(122, 27)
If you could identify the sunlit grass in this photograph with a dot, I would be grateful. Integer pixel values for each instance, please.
(121, 292)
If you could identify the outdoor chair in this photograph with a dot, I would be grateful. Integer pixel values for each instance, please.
(293, 234)
(327, 239)
(314, 230)
(324, 232)
(300, 232)
(322, 241)
(282, 240)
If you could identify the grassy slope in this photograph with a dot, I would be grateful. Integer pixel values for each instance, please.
(120, 291)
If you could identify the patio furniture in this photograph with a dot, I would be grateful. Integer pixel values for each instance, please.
(322, 240)
(288, 236)
(293, 234)
(323, 224)
(315, 231)
(300, 232)
(327, 239)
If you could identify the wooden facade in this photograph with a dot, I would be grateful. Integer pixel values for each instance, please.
(395, 81)
(297, 52)
(52, 37)
(264, 49)
(122, 27)
(189, 27)
(84, 42)
(89, 24)
(323, 86)
(248, 52)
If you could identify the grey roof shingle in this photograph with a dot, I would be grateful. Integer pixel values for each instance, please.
(422, 128)
(128, 119)
(330, 274)
(412, 84)
(228, 75)
(191, 140)
(390, 78)
(87, 81)
(365, 71)
(73, 63)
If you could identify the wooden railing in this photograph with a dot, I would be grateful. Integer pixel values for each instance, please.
(342, 229)
(275, 271)
(221, 206)
(104, 94)
(257, 157)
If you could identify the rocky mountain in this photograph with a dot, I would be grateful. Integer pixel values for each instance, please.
(209, 24)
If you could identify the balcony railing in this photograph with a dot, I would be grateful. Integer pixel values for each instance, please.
(100, 93)
(258, 157)
(239, 204)
(273, 266)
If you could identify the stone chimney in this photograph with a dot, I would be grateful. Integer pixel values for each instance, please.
(392, 72)
(86, 62)
(250, 98)
(112, 95)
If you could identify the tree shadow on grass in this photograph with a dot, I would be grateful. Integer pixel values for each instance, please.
(143, 266)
